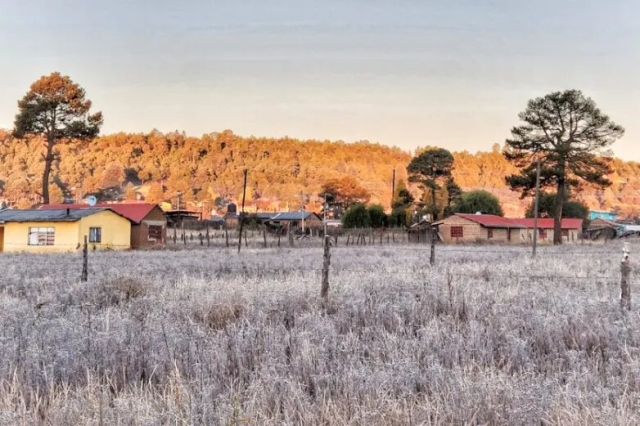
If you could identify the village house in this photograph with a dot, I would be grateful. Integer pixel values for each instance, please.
(467, 228)
(61, 230)
(470, 228)
(295, 220)
(571, 229)
(148, 221)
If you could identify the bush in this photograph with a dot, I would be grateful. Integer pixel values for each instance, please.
(377, 217)
(356, 216)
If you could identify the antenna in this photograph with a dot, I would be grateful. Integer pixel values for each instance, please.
(92, 200)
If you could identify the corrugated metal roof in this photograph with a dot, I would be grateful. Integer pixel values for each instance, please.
(547, 223)
(135, 212)
(266, 216)
(58, 215)
(490, 221)
(292, 215)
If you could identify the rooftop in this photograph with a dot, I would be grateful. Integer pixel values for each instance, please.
(492, 221)
(547, 223)
(49, 215)
(135, 212)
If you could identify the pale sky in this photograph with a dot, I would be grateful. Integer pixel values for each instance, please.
(400, 72)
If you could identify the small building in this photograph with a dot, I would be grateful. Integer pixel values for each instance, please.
(420, 232)
(610, 216)
(470, 228)
(571, 229)
(296, 220)
(148, 221)
(231, 217)
(61, 230)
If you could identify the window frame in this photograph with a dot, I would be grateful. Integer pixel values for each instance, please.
(456, 231)
(92, 240)
(489, 233)
(159, 233)
(44, 236)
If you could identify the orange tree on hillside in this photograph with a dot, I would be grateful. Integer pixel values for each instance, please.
(343, 193)
(56, 108)
(570, 137)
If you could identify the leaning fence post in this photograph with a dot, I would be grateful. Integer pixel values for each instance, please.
(625, 269)
(324, 291)
(432, 259)
(85, 261)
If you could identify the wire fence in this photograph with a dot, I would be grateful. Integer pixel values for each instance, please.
(210, 263)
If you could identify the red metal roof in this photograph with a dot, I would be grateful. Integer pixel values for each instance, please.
(135, 212)
(490, 221)
(547, 223)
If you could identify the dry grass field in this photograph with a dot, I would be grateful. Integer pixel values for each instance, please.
(206, 336)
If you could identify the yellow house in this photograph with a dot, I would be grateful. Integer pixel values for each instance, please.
(48, 231)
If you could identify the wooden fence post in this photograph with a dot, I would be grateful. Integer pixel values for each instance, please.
(290, 235)
(175, 233)
(246, 243)
(226, 235)
(264, 237)
(279, 234)
(625, 291)
(85, 261)
(324, 290)
(208, 237)
(201, 238)
(432, 259)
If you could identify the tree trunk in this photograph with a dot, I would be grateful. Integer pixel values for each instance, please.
(557, 220)
(48, 160)
(433, 204)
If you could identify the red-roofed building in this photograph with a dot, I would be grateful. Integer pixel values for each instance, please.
(470, 228)
(467, 228)
(571, 229)
(148, 221)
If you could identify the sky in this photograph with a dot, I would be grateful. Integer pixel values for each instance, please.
(406, 73)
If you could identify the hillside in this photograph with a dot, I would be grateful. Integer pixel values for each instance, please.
(281, 171)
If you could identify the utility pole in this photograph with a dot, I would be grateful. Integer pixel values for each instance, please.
(244, 192)
(393, 187)
(302, 209)
(535, 210)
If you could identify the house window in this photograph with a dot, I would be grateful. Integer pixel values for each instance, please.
(565, 233)
(41, 236)
(457, 232)
(542, 233)
(155, 232)
(490, 233)
(95, 235)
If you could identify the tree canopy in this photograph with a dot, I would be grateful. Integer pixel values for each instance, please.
(570, 137)
(344, 192)
(547, 207)
(478, 201)
(356, 216)
(55, 107)
(430, 169)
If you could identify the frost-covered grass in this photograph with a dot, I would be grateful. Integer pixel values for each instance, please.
(487, 336)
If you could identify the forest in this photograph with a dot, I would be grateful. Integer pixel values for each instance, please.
(204, 173)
